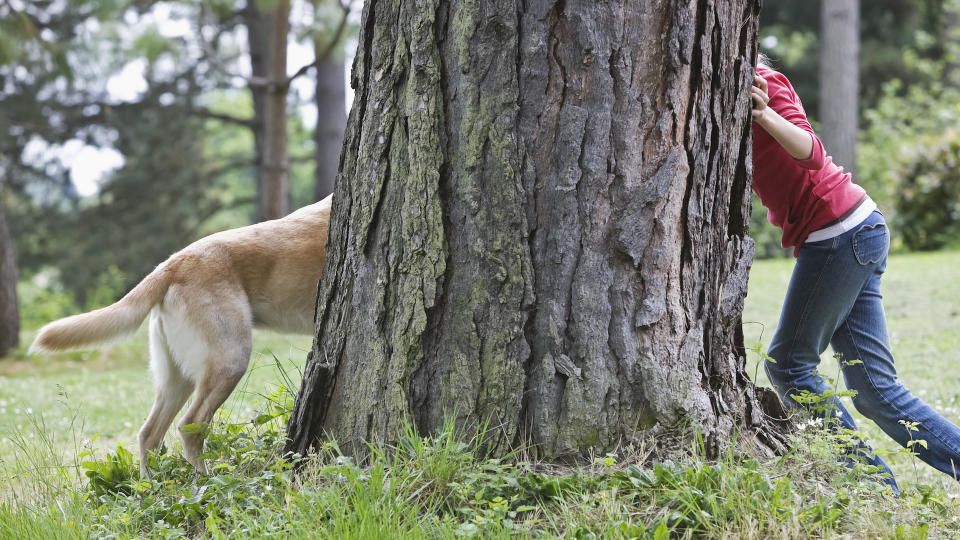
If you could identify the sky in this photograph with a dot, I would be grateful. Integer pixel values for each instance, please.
(89, 165)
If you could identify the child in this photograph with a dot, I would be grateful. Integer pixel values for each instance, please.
(840, 241)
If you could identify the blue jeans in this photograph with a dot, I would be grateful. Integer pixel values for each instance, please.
(834, 297)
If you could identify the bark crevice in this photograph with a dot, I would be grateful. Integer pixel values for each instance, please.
(534, 231)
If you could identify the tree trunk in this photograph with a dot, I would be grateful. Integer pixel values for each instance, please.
(331, 123)
(267, 40)
(950, 36)
(258, 42)
(540, 226)
(9, 314)
(839, 74)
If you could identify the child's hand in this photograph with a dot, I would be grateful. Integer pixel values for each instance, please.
(758, 93)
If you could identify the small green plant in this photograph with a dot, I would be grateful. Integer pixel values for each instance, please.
(445, 485)
(911, 427)
(248, 471)
(112, 475)
(912, 443)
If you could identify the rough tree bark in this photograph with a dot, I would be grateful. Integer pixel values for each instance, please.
(331, 123)
(839, 78)
(267, 40)
(540, 222)
(9, 313)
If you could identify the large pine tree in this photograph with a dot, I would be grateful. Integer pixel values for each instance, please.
(540, 225)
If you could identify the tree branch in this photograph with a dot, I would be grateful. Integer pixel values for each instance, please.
(237, 163)
(211, 56)
(203, 112)
(328, 50)
(300, 159)
(337, 35)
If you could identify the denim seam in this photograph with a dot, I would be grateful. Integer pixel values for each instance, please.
(807, 306)
(866, 372)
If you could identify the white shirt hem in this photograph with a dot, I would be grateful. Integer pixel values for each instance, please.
(861, 213)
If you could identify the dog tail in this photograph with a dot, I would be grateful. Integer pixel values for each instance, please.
(108, 324)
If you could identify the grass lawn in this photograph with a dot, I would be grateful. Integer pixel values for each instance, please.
(52, 408)
(101, 398)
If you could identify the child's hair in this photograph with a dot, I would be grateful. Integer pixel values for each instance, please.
(763, 60)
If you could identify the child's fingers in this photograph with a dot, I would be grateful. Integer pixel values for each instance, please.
(759, 97)
(760, 82)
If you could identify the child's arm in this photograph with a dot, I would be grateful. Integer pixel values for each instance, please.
(795, 140)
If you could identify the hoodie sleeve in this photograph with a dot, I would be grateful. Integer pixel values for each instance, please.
(784, 100)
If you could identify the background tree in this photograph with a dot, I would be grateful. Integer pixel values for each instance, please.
(542, 226)
(268, 26)
(165, 164)
(186, 135)
(52, 100)
(330, 98)
(268, 31)
(896, 32)
(34, 42)
(9, 312)
(839, 76)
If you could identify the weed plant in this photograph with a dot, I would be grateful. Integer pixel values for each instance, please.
(444, 486)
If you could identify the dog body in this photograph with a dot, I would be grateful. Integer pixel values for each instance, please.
(204, 302)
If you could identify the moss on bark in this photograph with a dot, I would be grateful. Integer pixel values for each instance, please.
(538, 226)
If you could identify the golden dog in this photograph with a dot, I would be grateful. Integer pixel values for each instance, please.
(204, 302)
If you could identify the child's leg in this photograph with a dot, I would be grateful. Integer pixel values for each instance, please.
(826, 283)
(862, 339)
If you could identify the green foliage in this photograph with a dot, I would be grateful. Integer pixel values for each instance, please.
(794, 26)
(928, 201)
(115, 474)
(108, 286)
(10, 49)
(904, 139)
(887, 29)
(440, 485)
(247, 473)
(152, 44)
(327, 18)
(181, 501)
(443, 486)
(43, 299)
(221, 8)
(766, 236)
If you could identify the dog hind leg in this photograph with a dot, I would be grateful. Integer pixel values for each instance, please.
(171, 391)
(229, 342)
(214, 388)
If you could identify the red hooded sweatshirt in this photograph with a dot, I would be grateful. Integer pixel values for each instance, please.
(801, 195)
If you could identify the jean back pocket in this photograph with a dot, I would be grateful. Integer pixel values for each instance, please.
(871, 243)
